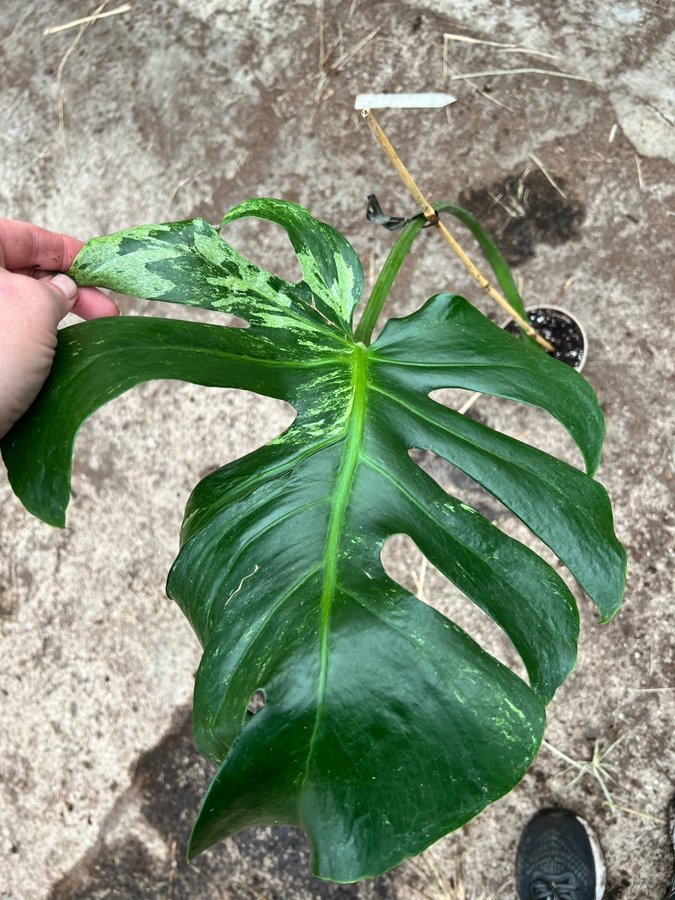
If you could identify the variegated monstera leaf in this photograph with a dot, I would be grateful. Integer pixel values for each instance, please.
(384, 724)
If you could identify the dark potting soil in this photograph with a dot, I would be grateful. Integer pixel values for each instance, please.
(559, 330)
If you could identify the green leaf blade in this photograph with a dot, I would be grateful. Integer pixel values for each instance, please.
(188, 263)
(461, 348)
(427, 732)
(330, 267)
(510, 583)
(569, 511)
(384, 724)
(307, 755)
(99, 360)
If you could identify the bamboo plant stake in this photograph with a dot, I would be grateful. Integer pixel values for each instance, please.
(432, 216)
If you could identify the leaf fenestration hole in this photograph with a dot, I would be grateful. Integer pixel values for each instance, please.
(405, 563)
(256, 703)
(463, 488)
(265, 244)
(527, 424)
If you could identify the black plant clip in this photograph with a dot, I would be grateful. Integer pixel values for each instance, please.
(391, 223)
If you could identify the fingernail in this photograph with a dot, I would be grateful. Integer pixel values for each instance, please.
(66, 285)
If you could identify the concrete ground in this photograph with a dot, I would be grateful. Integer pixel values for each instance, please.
(181, 108)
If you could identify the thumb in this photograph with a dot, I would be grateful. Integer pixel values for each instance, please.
(30, 311)
(64, 292)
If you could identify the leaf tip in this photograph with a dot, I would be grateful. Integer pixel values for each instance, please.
(608, 612)
(57, 521)
(196, 842)
(53, 516)
(192, 851)
(613, 599)
(593, 457)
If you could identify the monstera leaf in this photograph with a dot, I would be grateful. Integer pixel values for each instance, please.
(384, 724)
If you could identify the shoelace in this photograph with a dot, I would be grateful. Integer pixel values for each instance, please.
(557, 887)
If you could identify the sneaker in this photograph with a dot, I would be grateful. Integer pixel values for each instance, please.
(559, 859)
(670, 893)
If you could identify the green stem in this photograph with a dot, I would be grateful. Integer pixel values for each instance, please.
(491, 253)
(401, 249)
(386, 278)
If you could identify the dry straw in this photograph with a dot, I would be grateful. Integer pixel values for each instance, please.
(87, 20)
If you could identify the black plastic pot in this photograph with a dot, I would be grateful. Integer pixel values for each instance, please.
(562, 330)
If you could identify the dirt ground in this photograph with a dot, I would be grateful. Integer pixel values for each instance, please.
(175, 109)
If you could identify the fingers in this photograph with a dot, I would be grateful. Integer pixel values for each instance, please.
(64, 292)
(30, 311)
(93, 304)
(24, 246)
(35, 304)
(31, 308)
(87, 303)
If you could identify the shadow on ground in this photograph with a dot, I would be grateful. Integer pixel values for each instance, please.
(145, 858)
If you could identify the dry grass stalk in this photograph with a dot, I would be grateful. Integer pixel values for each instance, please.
(567, 284)
(351, 9)
(173, 865)
(181, 184)
(652, 689)
(638, 166)
(447, 70)
(419, 893)
(348, 55)
(87, 20)
(426, 865)
(431, 216)
(420, 578)
(596, 767)
(466, 406)
(502, 887)
(500, 45)
(658, 820)
(322, 54)
(157, 167)
(535, 159)
(454, 892)
(486, 95)
(493, 73)
(62, 65)
(442, 888)
(512, 202)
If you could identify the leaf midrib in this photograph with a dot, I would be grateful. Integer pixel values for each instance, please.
(343, 488)
(229, 355)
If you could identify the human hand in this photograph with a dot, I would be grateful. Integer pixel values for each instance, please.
(32, 303)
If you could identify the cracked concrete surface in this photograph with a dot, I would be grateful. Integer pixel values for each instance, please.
(181, 109)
